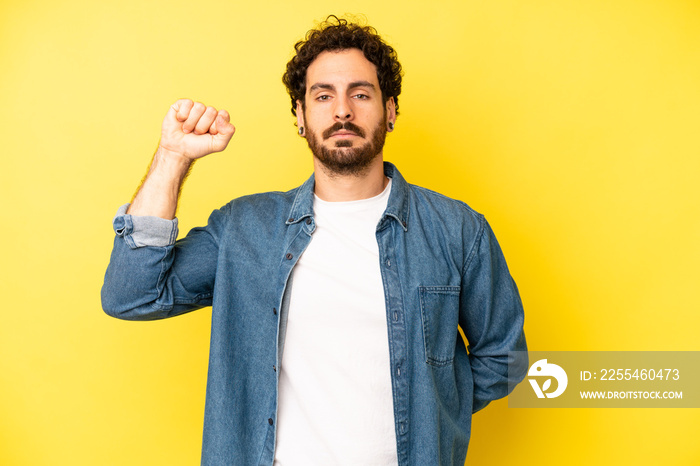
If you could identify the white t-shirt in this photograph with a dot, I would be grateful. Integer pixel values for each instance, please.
(335, 402)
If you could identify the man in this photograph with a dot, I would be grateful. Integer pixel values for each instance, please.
(336, 305)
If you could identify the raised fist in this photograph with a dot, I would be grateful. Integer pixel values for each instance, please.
(193, 130)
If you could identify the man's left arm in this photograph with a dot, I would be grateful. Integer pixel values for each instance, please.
(491, 316)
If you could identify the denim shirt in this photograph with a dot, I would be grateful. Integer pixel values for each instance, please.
(441, 269)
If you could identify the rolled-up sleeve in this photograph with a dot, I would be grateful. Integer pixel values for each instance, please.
(491, 315)
(140, 231)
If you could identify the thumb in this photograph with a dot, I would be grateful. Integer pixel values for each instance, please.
(224, 132)
(224, 128)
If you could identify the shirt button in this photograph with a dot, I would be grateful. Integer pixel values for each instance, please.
(388, 262)
(274, 310)
(291, 220)
(269, 421)
(308, 221)
(274, 368)
(289, 256)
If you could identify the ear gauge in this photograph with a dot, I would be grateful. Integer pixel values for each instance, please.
(391, 126)
(301, 131)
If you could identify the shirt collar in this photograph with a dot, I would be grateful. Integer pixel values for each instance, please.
(397, 207)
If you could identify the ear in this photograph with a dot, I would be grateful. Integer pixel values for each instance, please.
(390, 110)
(300, 114)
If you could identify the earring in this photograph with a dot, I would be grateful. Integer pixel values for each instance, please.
(391, 126)
(301, 131)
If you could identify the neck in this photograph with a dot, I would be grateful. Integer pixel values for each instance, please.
(333, 187)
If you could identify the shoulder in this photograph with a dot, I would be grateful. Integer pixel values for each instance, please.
(257, 207)
(269, 200)
(449, 212)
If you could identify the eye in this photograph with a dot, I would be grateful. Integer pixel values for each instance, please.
(323, 97)
(361, 96)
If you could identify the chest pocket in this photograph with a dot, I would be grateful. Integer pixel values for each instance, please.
(439, 307)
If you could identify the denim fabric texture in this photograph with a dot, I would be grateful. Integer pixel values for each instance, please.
(441, 268)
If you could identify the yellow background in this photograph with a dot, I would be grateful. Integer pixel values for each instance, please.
(572, 125)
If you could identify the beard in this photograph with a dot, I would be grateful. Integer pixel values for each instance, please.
(346, 158)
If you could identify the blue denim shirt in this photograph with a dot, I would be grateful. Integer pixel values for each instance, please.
(441, 268)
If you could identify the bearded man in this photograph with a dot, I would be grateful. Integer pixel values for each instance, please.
(336, 305)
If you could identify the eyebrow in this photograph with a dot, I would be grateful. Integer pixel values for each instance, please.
(352, 85)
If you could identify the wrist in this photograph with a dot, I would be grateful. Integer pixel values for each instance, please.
(172, 159)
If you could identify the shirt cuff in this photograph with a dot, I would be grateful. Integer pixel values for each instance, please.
(139, 231)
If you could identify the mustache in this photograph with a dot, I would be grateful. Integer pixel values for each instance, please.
(347, 126)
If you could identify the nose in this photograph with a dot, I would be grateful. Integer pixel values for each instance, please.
(343, 109)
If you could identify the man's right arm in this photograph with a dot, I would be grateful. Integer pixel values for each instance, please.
(151, 276)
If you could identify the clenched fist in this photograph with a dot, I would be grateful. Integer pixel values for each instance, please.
(193, 130)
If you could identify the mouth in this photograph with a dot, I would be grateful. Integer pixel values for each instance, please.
(344, 134)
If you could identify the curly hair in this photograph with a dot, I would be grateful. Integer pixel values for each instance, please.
(338, 34)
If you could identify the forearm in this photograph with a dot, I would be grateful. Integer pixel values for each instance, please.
(158, 194)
